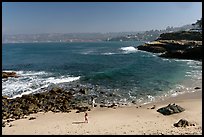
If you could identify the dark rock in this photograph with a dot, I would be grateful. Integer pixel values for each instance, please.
(153, 49)
(112, 105)
(133, 102)
(193, 53)
(10, 125)
(3, 123)
(83, 109)
(153, 107)
(9, 74)
(102, 92)
(102, 105)
(170, 109)
(183, 123)
(31, 118)
(77, 111)
(83, 91)
(197, 88)
(70, 93)
(56, 90)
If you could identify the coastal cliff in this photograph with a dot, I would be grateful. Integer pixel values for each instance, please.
(181, 45)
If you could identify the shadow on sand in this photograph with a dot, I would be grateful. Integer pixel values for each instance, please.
(78, 122)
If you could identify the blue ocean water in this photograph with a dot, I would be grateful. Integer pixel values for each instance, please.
(114, 67)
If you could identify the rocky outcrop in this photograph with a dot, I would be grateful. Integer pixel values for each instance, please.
(189, 53)
(9, 74)
(153, 49)
(183, 35)
(55, 100)
(181, 45)
(170, 109)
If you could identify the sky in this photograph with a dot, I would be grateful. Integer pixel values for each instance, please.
(82, 17)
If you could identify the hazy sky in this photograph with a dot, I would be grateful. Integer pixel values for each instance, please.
(68, 17)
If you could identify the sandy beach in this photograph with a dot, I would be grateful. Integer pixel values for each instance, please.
(132, 120)
(94, 68)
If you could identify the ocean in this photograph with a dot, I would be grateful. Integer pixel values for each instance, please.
(112, 71)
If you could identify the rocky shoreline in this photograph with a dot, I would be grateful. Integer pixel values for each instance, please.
(180, 45)
(57, 99)
(54, 98)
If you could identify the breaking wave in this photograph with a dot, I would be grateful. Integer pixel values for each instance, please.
(30, 82)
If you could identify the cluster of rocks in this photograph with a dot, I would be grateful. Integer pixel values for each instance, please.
(55, 100)
(9, 74)
(172, 109)
(181, 45)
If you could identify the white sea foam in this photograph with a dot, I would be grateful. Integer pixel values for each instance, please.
(7, 70)
(129, 49)
(61, 80)
(30, 91)
(193, 62)
(30, 81)
(32, 73)
(108, 53)
(87, 52)
(174, 94)
(165, 59)
(150, 98)
(184, 60)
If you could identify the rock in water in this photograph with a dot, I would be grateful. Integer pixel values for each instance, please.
(83, 91)
(170, 109)
(197, 88)
(9, 74)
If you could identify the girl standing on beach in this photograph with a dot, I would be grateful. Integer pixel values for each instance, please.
(86, 117)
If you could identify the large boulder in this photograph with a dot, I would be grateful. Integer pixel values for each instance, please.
(170, 109)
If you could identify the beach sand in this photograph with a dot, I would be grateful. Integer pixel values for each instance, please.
(110, 121)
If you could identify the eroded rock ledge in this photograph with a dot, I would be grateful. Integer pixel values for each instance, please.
(181, 45)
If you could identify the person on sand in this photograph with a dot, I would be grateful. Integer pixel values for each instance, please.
(86, 117)
(93, 101)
